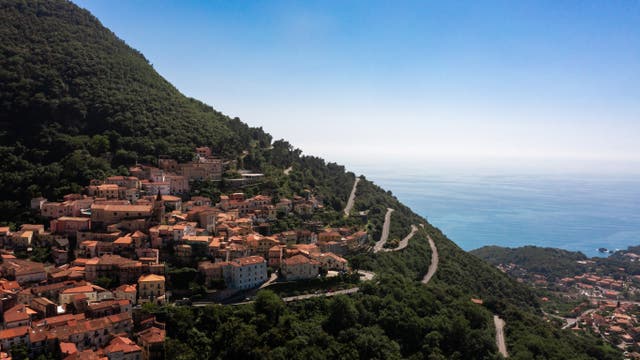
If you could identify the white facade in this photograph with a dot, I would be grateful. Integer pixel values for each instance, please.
(246, 273)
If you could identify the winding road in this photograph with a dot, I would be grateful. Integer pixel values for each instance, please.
(404, 242)
(502, 346)
(327, 294)
(433, 267)
(385, 231)
(352, 198)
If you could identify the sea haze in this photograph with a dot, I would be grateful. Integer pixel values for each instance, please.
(579, 213)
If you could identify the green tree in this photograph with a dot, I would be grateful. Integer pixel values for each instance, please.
(270, 305)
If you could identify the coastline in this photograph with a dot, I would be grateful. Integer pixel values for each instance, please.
(559, 211)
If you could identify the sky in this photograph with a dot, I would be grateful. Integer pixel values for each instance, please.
(546, 85)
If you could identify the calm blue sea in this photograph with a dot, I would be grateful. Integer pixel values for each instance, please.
(569, 212)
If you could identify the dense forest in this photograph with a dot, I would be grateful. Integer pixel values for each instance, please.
(77, 103)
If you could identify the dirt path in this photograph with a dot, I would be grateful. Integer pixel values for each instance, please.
(385, 231)
(352, 198)
(502, 346)
(433, 267)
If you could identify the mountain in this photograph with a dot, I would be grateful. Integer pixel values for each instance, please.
(77, 103)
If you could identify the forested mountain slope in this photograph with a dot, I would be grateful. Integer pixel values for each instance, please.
(77, 103)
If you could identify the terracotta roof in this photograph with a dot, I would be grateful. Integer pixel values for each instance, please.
(86, 355)
(16, 313)
(125, 240)
(151, 277)
(79, 290)
(68, 348)
(9, 285)
(14, 332)
(74, 218)
(126, 288)
(249, 260)
(122, 344)
(59, 320)
(131, 208)
(138, 234)
(170, 198)
(152, 335)
(298, 260)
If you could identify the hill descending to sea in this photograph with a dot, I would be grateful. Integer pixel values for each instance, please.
(77, 103)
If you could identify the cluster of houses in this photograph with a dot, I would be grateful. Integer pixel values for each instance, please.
(109, 246)
(50, 310)
(594, 285)
(614, 321)
(586, 284)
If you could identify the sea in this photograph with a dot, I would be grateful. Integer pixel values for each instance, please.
(573, 212)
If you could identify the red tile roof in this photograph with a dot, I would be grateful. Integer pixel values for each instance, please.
(14, 332)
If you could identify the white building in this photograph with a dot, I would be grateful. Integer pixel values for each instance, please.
(246, 272)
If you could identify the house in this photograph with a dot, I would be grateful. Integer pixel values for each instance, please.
(151, 288)
(203, 169)
(106, 214)
(107, 307)
(178, 184)
(107, 191)
(126, 292)
(151, 340)
(67, 349)
(24, 271)
(67, 295)
(329, 235)
(129, 182)
(212, 271)
(114, 267)
(22, 239)
(156, 187)
(275, 256)
(69, 225)
(246, 272)
(14, 336)
(56, 209)
(36, 203)
(19, 315)
(299, 267)
(331, 261)
(123, 348)
(90, 333)
(44, 306)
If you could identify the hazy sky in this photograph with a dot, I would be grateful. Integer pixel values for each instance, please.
(547, 84)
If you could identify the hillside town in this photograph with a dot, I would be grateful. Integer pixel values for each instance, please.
(602, 301)
(76, 284)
